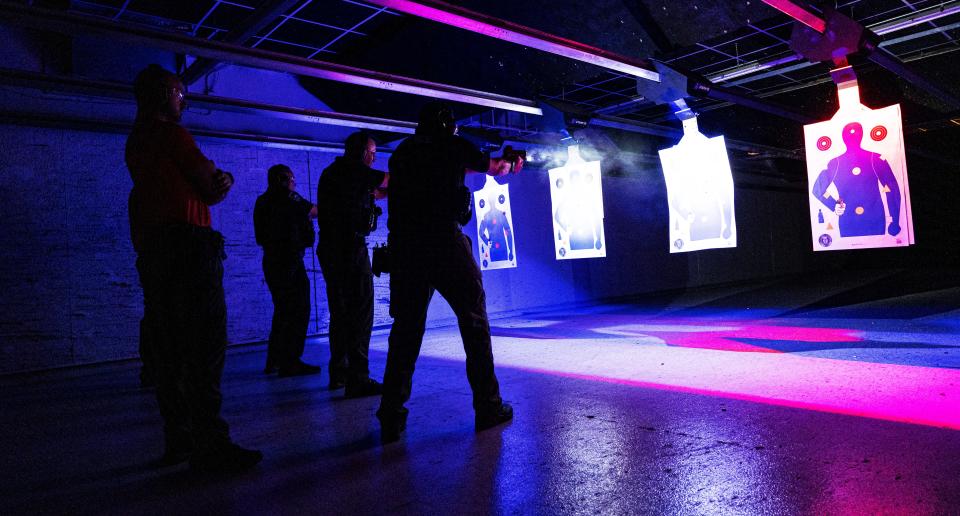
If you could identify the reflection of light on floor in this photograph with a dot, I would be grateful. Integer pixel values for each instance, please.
(583, 459)
(702, 475)
(713, 363)
(725, 337)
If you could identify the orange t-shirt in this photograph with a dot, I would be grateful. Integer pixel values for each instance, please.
(171, 178)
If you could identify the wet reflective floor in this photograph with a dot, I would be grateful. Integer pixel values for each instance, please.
(716, 402)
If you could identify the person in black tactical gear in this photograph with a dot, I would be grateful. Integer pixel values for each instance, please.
(428, 205)
(283, 227)
(345, 195)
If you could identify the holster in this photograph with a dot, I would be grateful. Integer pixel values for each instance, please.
(382, 261)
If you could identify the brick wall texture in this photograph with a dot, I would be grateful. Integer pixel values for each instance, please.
(70, 288)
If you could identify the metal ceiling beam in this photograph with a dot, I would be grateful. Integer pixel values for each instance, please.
(250, 27)
(676, 85)
(868, 44)
(306, 115)
(799, 13)
(45, 19)
(115, 89)
(515, 33)
(633, 126)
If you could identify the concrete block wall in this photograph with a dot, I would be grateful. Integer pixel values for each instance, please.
(71, 294)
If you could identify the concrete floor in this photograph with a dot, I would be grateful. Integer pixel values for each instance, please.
(840, 400)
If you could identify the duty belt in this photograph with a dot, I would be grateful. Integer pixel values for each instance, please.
(184, 238)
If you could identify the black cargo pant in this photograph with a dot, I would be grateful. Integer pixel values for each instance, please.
(346, 271)
(420, 266)
(181, 272)
(290, 289)
(148, 340)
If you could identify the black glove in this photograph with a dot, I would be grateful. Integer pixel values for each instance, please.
(464, 206)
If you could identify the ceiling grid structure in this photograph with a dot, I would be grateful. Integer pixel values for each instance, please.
(220, 16)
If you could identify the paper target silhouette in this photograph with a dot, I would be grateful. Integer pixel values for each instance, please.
(495, 238)
(857, 172)
(576, 196)
(699, 192)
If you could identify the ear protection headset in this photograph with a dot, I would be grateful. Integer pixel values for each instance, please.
(437, 118)
(445, 120)
(355, 147)
(150, 87)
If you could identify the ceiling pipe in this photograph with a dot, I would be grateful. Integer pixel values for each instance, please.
(306, 115)
(515, 33)
(710, 90)
(56, 21)
(112, 126)
(891, 62)
(115, 89)
(676, 85)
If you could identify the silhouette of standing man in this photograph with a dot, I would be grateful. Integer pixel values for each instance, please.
(345, 196)
(181, 272)
(281, 222)
(428, 205)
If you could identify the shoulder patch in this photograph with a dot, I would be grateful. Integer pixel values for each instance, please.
(294, 196)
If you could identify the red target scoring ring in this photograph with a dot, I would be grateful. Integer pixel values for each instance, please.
(878, 133)
(824, 143)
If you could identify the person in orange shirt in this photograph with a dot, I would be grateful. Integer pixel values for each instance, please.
(180, 263)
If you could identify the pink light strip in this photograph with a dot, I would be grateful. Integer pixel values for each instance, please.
(798, 13)
(515, 33)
